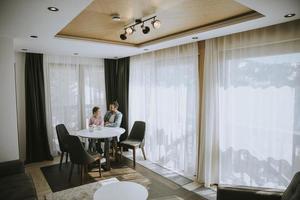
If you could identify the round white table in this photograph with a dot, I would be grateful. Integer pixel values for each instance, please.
(105, 133)
(100, 133)
(121, 190)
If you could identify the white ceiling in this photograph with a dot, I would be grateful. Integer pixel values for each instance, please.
(21, 18)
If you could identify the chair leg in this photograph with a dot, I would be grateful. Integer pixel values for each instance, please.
(81, 173)
(71, 171)
(61, 159)
(85, 173)
(121, 155)
(114, 150)
(143, 151)
(67, 157)
(100, 167)
(133, 149)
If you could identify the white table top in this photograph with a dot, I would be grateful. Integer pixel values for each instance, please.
(121, 190)
(97, 133)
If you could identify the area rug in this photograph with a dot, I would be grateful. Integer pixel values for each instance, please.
(86, 192)
(83, 192)
(58, 179)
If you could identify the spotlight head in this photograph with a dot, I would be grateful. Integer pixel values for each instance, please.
(123, 36)
(129, 30)
(156, 24)
(145, 29)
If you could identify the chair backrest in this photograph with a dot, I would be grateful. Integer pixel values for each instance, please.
(78, 154)
(293, 190)
(62, 134)
(138, 131)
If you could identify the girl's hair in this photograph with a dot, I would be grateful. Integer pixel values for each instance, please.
(95, 109)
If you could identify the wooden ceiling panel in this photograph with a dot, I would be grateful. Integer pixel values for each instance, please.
(176, 16)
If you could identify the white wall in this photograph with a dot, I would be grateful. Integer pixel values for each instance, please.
(20, 92)
(9, 149)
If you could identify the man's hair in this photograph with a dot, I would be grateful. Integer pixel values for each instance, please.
(115, 104)
(95, 109)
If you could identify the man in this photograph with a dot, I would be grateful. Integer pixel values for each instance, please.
(113, 117)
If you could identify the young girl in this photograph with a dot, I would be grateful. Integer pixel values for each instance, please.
(96, 119)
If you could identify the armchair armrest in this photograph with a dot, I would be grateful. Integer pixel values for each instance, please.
(11, 167)
(247, 193)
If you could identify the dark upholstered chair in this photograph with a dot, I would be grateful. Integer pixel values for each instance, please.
(15, 184)
(292, 192)
(246, 193)
(135, 139)
(62, 134)
(79, 156)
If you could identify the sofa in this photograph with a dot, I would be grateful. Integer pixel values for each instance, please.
(15, 184)
(245, 193)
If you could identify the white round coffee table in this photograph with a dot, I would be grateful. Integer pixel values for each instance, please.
(121, 190)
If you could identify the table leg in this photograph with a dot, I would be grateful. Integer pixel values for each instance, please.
(86, 143)
(106, 152)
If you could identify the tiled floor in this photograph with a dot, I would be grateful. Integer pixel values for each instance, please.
(184, 182)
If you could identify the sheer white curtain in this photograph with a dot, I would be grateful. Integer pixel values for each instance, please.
(73, 86)
(251, 120)
(163, 92)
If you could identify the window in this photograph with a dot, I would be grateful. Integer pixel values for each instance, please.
(251, 129)
(73, 87)
(163, 92)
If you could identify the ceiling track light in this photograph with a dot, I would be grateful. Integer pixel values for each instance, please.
(129, 30)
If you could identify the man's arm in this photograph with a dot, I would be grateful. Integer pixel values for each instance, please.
(106, 117)
(117, 122)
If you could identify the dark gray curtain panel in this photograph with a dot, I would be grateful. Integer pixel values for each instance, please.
(37, 146)
(117, 87)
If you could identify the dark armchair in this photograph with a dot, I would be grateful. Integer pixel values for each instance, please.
(62, 134)
(245, 193)
(135, 139)
(81, 157)
(15, 184)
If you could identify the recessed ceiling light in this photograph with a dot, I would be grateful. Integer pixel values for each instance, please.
(115, 17)
(53, 9)
(24, 49)
(195, 38)
(75, 54)
(289, 15)
(34, 36)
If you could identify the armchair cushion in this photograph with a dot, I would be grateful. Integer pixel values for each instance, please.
(18, 186)
(11, 167)
(133, 143)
